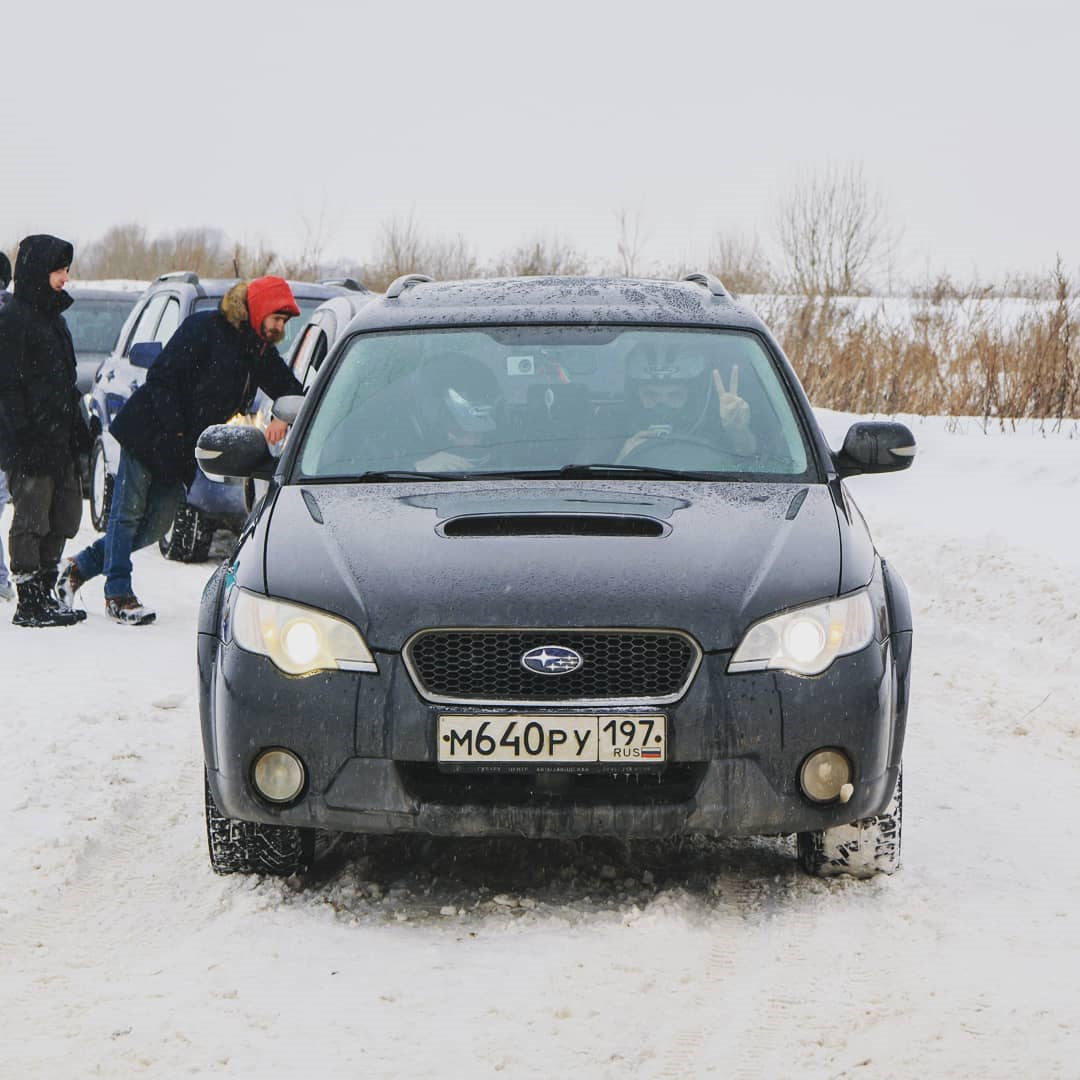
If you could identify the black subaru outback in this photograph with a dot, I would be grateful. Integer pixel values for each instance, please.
(555, 557)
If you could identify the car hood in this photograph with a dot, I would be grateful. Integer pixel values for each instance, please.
(705, 558)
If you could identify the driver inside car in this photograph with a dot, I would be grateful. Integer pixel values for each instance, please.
(680, 394)
(456, 409)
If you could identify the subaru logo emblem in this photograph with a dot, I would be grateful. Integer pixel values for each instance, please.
(551, 660)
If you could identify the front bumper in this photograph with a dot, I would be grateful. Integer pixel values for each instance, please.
(735, 746)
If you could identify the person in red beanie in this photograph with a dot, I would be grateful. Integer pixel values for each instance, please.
(210, 370)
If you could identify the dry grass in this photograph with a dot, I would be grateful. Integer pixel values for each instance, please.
(966, 355)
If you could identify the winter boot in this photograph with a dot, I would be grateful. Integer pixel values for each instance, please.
(68, 584)
(7, 590)
(34, 609)
(128, 610)
(49, 582)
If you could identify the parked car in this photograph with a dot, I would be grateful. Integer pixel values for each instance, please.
(555, 557)
(95, 320)
(159, 311)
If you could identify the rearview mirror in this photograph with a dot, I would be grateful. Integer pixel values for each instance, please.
(144, 354)
(288, 408)
(875, 446)
(234, 450)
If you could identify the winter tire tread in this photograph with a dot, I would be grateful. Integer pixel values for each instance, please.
(99, 515)
(862, 849)
(189, 538)
(251, 847)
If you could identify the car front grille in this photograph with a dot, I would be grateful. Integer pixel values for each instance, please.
(476, 666)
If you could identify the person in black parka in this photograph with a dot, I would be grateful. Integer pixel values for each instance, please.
(41, 429)
(208, 371)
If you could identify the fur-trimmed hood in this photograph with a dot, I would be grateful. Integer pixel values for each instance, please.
(234, 306)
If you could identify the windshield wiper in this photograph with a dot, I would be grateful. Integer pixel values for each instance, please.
(584, 472)
(390, 476)
(565, 472)
(581, 472)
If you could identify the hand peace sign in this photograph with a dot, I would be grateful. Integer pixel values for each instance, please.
(734, 412)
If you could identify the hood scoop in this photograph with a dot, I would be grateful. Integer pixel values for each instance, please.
(477, 525)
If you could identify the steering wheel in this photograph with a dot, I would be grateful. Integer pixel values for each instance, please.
(688, 452)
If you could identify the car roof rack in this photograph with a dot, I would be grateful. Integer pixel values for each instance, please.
(347, 283)
(187, 276)
(710, 281)
(400, 284)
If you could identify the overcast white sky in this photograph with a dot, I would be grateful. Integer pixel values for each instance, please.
(503, 121)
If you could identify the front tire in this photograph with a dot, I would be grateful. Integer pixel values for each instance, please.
(862, 849)
(189, 537)
(101, 486)
(250, 847)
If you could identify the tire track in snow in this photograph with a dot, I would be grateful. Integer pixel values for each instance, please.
(741, 1006)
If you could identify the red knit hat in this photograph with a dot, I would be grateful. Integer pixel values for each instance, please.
(269, 296)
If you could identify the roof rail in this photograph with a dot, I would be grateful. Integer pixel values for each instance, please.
(188, 276)
(710, 281)
(347, 283)
(399, 285)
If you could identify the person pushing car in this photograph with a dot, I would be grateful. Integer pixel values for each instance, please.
(207, 372)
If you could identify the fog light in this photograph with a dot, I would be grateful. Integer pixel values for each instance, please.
(279, 775)
(823, 774)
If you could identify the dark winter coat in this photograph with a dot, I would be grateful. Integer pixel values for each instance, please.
(209, 371)
(41, 428)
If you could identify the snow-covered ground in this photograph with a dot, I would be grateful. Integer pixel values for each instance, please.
(121, 954)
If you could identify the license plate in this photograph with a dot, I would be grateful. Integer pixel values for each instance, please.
(639, 739)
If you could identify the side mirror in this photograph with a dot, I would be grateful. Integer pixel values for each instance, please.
(288, 408)
(144, 354)
(229, 450)
(875, 446)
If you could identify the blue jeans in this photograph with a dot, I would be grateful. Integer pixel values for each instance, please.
(4, 497)
(141, 511)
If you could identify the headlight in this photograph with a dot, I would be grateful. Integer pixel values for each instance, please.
(299, 640)
(807, 640)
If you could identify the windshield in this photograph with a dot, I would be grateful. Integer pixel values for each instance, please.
(292, 327)
(95, 324)
(537, 400)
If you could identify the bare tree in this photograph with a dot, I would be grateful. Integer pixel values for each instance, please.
(251, 262)
(123, 251)
(310, 263)
(451, 259)
(835, 234)
(741, 263)
(127, 251)
(540, 257)
(403, 250)
(630, 243)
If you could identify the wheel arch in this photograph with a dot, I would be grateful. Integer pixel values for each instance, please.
(900, 627)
